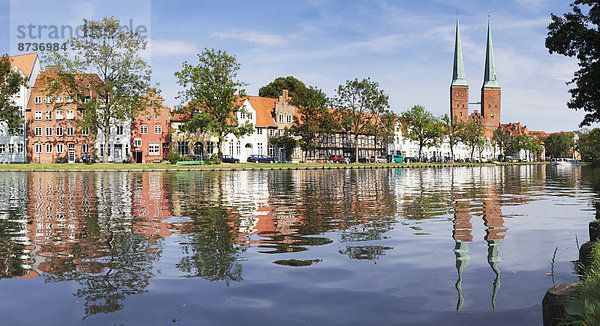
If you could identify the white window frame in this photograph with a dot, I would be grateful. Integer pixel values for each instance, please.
(38, 131)
(38, 115)
(48, 115)
(20, 148)
(38, 148)
(59, 115)
(48, 148)
(59, 148)
(153, 149)
(70, 114)
(2, 148)
(48, 131)
(11, 148)
(85, 131)
(70, 131)
(59, 131)
(157, 129)
(144, 129)
(48, 99)
(38, 100)
(137, 142)
(58, 99)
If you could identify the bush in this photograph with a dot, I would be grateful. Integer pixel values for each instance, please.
(174, 157)
(61, 160)
(214, 159)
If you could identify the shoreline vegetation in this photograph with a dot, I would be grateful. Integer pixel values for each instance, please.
(232, 167)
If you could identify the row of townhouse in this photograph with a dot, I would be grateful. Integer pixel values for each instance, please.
(52, 131)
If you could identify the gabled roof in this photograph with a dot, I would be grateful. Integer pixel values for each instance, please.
(263, 107)
(24, 62)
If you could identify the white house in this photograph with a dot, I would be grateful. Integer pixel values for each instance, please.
(119, 141)
(12, 144)
(258, 112)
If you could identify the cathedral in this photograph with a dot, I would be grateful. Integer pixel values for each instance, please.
(489, 115)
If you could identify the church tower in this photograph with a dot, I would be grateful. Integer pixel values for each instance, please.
(490, 91)
(459, 89)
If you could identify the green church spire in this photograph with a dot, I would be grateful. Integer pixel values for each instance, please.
(458, 73)
(489, 78)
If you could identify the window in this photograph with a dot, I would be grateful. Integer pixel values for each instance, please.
(259, 131)
(38, 100)
(272, 150)
(48, 99)
(58, 99)
(38, 115)
(59, 148)
(48, 131)
(238, 147)
(119, 130)
(59, 115)
(143, 129)
(38, 148)
(11, 148)
(260, 148)
(158, 129)
(289, 119)
(2, 148)
(101, 150)
(242, 115)
(48, 115)
(59, 131)
(249, 116)
(48, 148)
(154, 149)
(231, 148)
(85, 131)
(210, 146)
(20, 148)
(155, 116)
(38, 131)
(85, 148)
(271, 132)
(281, 132)
(70, 114)
(137, 142)
(69, 131)
(68, 99)
(183, 147)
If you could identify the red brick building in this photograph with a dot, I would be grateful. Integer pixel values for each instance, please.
(150, 132)
(53, 124)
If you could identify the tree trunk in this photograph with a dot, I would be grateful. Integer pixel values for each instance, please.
(106, 133)
(356, 147)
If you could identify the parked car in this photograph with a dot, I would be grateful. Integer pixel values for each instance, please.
(395, 159)
(378, 159)
(336, 159)
(260, 159)
(229, 159)
(362, 159)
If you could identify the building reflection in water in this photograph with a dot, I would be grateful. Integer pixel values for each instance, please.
(104, 231)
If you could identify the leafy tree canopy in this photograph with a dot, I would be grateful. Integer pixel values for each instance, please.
(559, 144)
(273, 89)
(422, 127)
(576, 34)
(213, 93)
(11, 84)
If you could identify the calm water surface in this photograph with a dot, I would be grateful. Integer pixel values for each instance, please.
(446, 246)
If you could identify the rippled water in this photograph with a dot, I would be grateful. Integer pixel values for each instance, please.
(448, 246)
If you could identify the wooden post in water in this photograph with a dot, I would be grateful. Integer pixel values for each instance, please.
(553, 305)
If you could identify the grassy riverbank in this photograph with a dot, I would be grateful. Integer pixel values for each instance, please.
(585, 309)
(168, 166)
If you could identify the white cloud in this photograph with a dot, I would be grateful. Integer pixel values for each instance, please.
(257, 37)
(165, 48)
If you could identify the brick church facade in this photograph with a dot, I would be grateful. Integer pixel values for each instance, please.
(490, 109)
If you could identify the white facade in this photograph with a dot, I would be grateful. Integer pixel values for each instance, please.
(12, 144)
(407, 148)
(119, 142)
(255, 143)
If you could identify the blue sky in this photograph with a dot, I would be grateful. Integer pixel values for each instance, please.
(406, 46)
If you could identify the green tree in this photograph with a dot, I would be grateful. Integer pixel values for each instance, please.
(452, 129)
(559, 144)
(288, 142)
(273, 89)
(383, 129)
(213, 93)
(12, 80)
(114, 55)
(529, 144)
(576, 34)
(422, 127)
(357, 102)
(472, 135)
(588, 145)
(313, 118)
(501, 139)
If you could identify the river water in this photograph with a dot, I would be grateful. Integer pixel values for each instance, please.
(423, 246)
